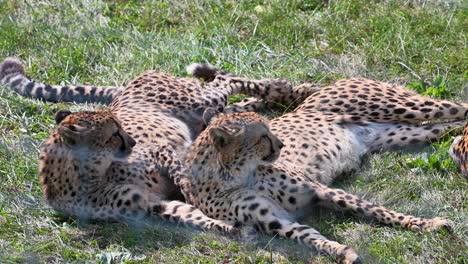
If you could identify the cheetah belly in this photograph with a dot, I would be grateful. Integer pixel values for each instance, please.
(355, 143)
(362, 137)
(348, 157)
(332, 156)
(326, 156)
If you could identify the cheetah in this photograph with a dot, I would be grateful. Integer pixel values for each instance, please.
(161, 113)
(77, 169)
(234, 172)
(325, 136)
(334, 126)
(459, 151)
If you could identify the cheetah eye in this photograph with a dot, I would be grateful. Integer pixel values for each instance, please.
(262, 139)
(116, 135)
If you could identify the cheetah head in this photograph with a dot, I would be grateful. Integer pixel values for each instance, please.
(243, 139)
(94, 131)
(459, 151)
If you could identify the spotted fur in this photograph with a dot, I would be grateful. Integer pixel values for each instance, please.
(459, 151)
(77, 169)
(161, 113)
(234, 172)
(331, 129)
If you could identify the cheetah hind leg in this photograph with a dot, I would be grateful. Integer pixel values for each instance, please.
(403, 134)
(417, 108)
(272, 219)
(341, 200)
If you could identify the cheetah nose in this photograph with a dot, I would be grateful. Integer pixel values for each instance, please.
(131, 142)
(280, 144)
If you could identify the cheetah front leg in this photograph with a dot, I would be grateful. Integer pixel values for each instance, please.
(250, 104)
(265, 93)
(268, 93)
(271, 91)
(253, 104)
(182, 213)
(268, 217)
(131, 202)
(345, 201)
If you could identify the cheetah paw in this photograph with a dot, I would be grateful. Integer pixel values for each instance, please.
(226, 228)
(242, 232)
(308, 88)
(434, 224)
(280, 87)
(248, 233)
(349, 256)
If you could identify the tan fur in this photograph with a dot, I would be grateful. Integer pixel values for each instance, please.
(239, 176)
(459, 151)
(160, 112)
(325, 136)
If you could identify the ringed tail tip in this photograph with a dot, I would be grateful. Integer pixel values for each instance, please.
(206, 72)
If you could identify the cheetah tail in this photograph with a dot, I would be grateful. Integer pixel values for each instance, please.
(12, 76)
(206, 72)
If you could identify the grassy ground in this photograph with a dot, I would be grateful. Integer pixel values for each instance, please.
(418, 43)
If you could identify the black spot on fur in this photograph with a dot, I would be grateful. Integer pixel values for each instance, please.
(453, 111)
(136, 197)
(253, 206)
(157, 209)
(249, 198)
(274, 225)
(80, 90)
(399, 111)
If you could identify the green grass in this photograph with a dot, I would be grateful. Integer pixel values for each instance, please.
(418, 43)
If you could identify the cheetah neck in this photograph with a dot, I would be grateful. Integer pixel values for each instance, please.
(206, 165)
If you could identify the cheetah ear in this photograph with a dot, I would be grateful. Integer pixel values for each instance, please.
(221, 137)
(209, 115)
(60, 115)
(72, 134)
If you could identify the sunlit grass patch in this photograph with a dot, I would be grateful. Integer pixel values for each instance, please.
(417, 43)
